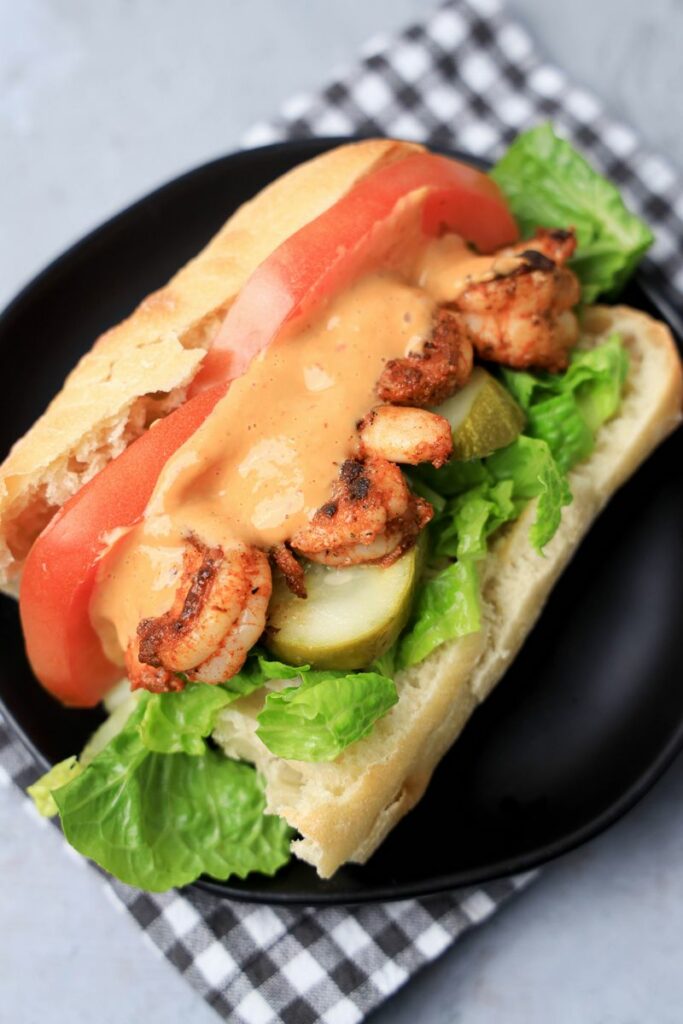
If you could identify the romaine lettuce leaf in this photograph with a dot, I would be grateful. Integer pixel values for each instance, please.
(455, 477)
(529, 464)
(597, 377)
(447, 606)
(160, 820)
(505, 482)
(119, 713)
(270, 669)
(385, 664)
(566, 410)
(467, 521)
(548, 184)
(179, 722)
(42, 789)
(176, 723)
(557, 420)
(322, 716)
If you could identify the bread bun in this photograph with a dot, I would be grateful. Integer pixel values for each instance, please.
(344, 809)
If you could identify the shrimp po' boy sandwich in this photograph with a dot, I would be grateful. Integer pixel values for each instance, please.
(292, 519)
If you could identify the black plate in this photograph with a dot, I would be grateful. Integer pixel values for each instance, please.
(587, 718)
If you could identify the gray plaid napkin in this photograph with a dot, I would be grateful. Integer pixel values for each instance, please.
(467, 78)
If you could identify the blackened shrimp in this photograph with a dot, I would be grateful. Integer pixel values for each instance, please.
(291, 569)
(521, 316)
(558, 244)
(218, 614)
(372, 517)
(433, 373)
(405, 435)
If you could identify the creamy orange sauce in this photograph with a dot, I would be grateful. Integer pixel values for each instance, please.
(267, 456)
(446, 266)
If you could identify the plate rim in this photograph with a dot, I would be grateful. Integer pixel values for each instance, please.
(503, 868)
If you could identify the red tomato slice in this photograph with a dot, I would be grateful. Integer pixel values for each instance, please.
(61, 569)
(322, 256)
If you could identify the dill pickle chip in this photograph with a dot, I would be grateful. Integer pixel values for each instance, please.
(483, 417)
(350, 617)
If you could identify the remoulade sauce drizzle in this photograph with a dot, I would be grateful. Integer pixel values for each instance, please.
(266, 457)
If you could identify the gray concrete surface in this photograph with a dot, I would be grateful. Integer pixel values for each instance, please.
(98, 104)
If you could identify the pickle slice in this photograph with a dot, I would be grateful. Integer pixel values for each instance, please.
(483, 417)
(350, 616)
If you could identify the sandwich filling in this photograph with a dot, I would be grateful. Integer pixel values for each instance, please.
(299, 459)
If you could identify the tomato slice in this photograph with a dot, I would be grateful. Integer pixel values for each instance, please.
(323, 256)
(61, 570)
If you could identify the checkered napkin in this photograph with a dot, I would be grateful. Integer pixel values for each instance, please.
(467, 78)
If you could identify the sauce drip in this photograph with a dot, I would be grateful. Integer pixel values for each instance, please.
(267, 456)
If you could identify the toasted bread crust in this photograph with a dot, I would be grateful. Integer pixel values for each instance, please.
(344, 810)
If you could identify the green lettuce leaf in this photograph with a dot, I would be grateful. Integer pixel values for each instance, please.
(505, 482)
(41, 792)
(447, 606)
(119, 714)
(160, 820)
(558, 421)
(455, 477)
(178, 723)
(494, 492)
(564, 411)
(271, 669)
(567, 409)
(463, 528)
(597, 377)
(548, 184)
(529, 463)
(386, 664)
(322, 716)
